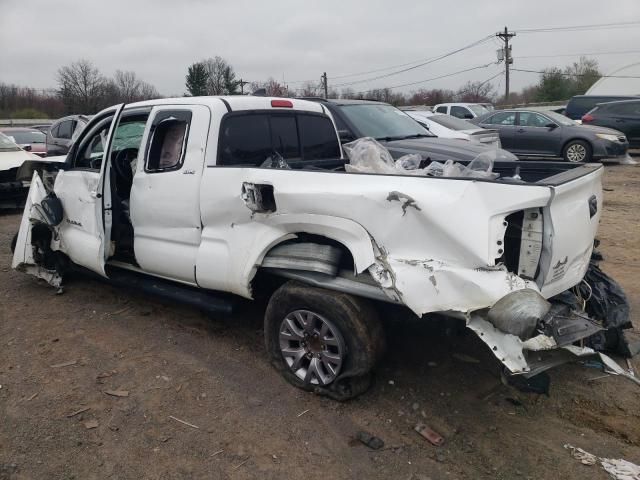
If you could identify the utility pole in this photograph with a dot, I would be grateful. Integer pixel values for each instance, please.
(242, 84)
(508, 59)
(323, 82)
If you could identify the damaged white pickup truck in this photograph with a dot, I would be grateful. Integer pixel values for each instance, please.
(206, 199)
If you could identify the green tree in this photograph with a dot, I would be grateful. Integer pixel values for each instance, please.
(554, 85)
(230, 83)
(196, 80)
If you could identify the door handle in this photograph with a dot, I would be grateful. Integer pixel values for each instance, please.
(521, 130)
(619, 121)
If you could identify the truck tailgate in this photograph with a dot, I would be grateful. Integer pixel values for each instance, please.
(571, 222)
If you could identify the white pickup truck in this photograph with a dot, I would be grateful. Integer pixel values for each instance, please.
(174, 196)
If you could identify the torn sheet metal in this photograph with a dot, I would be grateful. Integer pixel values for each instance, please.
(427, 286)
(23, 259)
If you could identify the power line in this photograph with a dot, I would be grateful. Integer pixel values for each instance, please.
(431, 79)
(573, 28)
(579, 54)
(432, 60)
(573, 74)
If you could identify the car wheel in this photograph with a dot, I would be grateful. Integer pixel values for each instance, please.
(323, 341)
(577, 151)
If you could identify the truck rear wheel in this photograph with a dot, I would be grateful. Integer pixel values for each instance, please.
(323, 341)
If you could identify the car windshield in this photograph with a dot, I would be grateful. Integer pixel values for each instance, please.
(452, 123)
(560, 119)
(383, 122)
(478, 109)
(25, 136)
(6, 145)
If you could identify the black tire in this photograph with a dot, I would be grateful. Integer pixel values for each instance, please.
(355, 319)
(14, 242)
(577, 151)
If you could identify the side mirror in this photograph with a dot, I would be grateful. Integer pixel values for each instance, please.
(26, 147)
(551, 126)
(345, 136)
(468, 116)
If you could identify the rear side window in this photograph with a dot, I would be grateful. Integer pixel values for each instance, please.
(460, 112)
(249, 139)
(245, 140)
(168, 142)
(318, 137)
(502, 118)
(626, 108)
(65, 129)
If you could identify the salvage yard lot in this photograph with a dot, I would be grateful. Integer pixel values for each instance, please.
(170, 364)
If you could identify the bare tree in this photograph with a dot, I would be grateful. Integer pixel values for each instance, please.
(272, 88)
(221, 78)
(476, 92)
(128, 86)
(81, 87)
(148, 92)
(309, 89)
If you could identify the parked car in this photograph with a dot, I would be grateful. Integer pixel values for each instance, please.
(12, 157)
(62, 133)
(622, 115)
(44, 128)
(580, 104)
(548, 134)
(29, 139)
(398, 132)
(446, 126)
(461, 110)
(209, 210)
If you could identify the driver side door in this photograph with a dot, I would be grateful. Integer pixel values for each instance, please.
(84, 191)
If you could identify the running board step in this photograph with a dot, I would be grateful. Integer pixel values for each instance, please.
(218, 303)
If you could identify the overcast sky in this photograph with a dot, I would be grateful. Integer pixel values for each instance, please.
(298, 40)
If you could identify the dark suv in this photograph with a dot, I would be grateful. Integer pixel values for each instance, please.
(622, 115)
(581, 104)
(398, 132)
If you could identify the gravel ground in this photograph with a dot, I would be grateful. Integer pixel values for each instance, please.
(103, 383)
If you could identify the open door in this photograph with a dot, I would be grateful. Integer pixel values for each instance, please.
(85, 192)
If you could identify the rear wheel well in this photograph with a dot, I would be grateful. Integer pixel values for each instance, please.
(265, 283)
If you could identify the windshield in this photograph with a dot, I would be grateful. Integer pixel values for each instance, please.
(383, 122)
(453, 123)
(6, 145)
(561, 119)
(478, 109)
(23, 137)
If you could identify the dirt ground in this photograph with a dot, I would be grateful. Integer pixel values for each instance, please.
(61, 354)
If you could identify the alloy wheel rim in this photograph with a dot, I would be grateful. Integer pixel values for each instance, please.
(312, 347)
(576, 153)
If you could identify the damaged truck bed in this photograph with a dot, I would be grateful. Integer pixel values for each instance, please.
(192, 201)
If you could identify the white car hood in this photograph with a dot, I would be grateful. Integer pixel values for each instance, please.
(9, 160)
